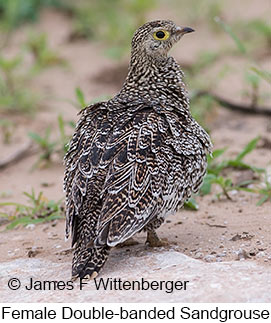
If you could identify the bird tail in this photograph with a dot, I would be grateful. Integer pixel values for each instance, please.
(88, 262)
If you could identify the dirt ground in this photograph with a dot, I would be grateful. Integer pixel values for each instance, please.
(220, 231)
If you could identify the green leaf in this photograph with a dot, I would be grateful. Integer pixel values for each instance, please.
(29, 220)
(36, 137)
(207, 184)
(248, 148)
(80, 97)
(61, 126)
(72, 124)
(246, 189)
(252, 79)
(265, 75)
(23, 220)
(12, 204)
(8, 65)
(230, 32)
(228, 182)
(218, 152)
(191, 204)
(262, 200)
(215, 154)
(260, 26)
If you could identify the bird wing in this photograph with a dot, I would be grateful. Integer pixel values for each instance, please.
(123, 169)
(132, 193)
(82, 167)
(113, 158)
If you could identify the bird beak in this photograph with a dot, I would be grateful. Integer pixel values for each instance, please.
(183, 30)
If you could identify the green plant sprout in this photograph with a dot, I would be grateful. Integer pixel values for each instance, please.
(227, 28)
(253, 79)
(14, 93)
(80, 98)
(215, 168)
(265, 75)
(81, 102)
(260, 26)
(64, 138)
(191, 204)
(46, 146)
(44, 57)
(38, 210)
(262, 189)
(7, 129)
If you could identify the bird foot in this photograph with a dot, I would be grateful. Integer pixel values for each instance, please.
(153, 240)
(87, 277)
(128, 243)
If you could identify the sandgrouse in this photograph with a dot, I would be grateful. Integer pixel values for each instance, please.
(136, 158)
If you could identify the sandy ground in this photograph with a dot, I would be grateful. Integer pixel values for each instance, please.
(229, 242)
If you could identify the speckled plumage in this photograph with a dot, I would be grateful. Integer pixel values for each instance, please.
(136, 158)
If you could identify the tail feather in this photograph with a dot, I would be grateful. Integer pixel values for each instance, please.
(88, 262)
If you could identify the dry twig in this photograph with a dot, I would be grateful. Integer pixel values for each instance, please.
(20, 154)
(234, 106)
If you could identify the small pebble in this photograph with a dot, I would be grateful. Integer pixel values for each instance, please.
(198, 255)
(242, 254)
(46, 227)
(54, 223)
(30, 226)
(260, 254)
(209, 258)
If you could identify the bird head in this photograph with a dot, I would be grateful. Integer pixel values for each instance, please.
(156, 38)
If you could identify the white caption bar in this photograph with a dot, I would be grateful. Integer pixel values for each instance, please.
(133, 312)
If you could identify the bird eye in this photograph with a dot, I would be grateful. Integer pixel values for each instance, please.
(161, 35)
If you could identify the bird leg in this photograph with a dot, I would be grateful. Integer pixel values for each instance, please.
(128, 243)
(154, 241)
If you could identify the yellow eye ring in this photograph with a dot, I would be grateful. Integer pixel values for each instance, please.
(161, 34)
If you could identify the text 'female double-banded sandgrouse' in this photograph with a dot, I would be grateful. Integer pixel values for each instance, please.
(136, 158)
